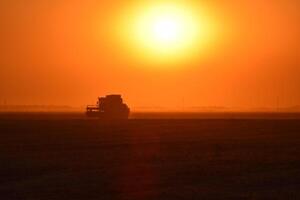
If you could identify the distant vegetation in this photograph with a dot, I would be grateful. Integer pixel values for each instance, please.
(65, 108)
(37, 108)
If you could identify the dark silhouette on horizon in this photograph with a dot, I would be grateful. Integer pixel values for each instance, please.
(109, 107)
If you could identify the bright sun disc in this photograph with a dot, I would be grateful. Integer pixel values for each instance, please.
(166, 31)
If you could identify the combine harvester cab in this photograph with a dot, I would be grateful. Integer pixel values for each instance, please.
(109, 107)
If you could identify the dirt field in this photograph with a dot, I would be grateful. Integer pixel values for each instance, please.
(65, 157)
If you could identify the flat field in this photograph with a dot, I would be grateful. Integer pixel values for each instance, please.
(71, 157)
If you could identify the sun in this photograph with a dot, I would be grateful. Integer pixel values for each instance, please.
(165, 31)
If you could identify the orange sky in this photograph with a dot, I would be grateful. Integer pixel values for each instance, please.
(65, 52)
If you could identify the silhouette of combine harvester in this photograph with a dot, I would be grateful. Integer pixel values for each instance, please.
(109, 107)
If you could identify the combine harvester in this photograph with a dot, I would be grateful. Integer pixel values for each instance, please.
(109, 107)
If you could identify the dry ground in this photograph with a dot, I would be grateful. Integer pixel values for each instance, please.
(75, 158)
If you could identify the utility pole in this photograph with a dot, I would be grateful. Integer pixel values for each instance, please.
(277, 103)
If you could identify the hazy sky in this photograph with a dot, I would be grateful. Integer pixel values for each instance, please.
(67, 52)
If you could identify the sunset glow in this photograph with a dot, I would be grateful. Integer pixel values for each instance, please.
(167, 31)
(159, 54)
